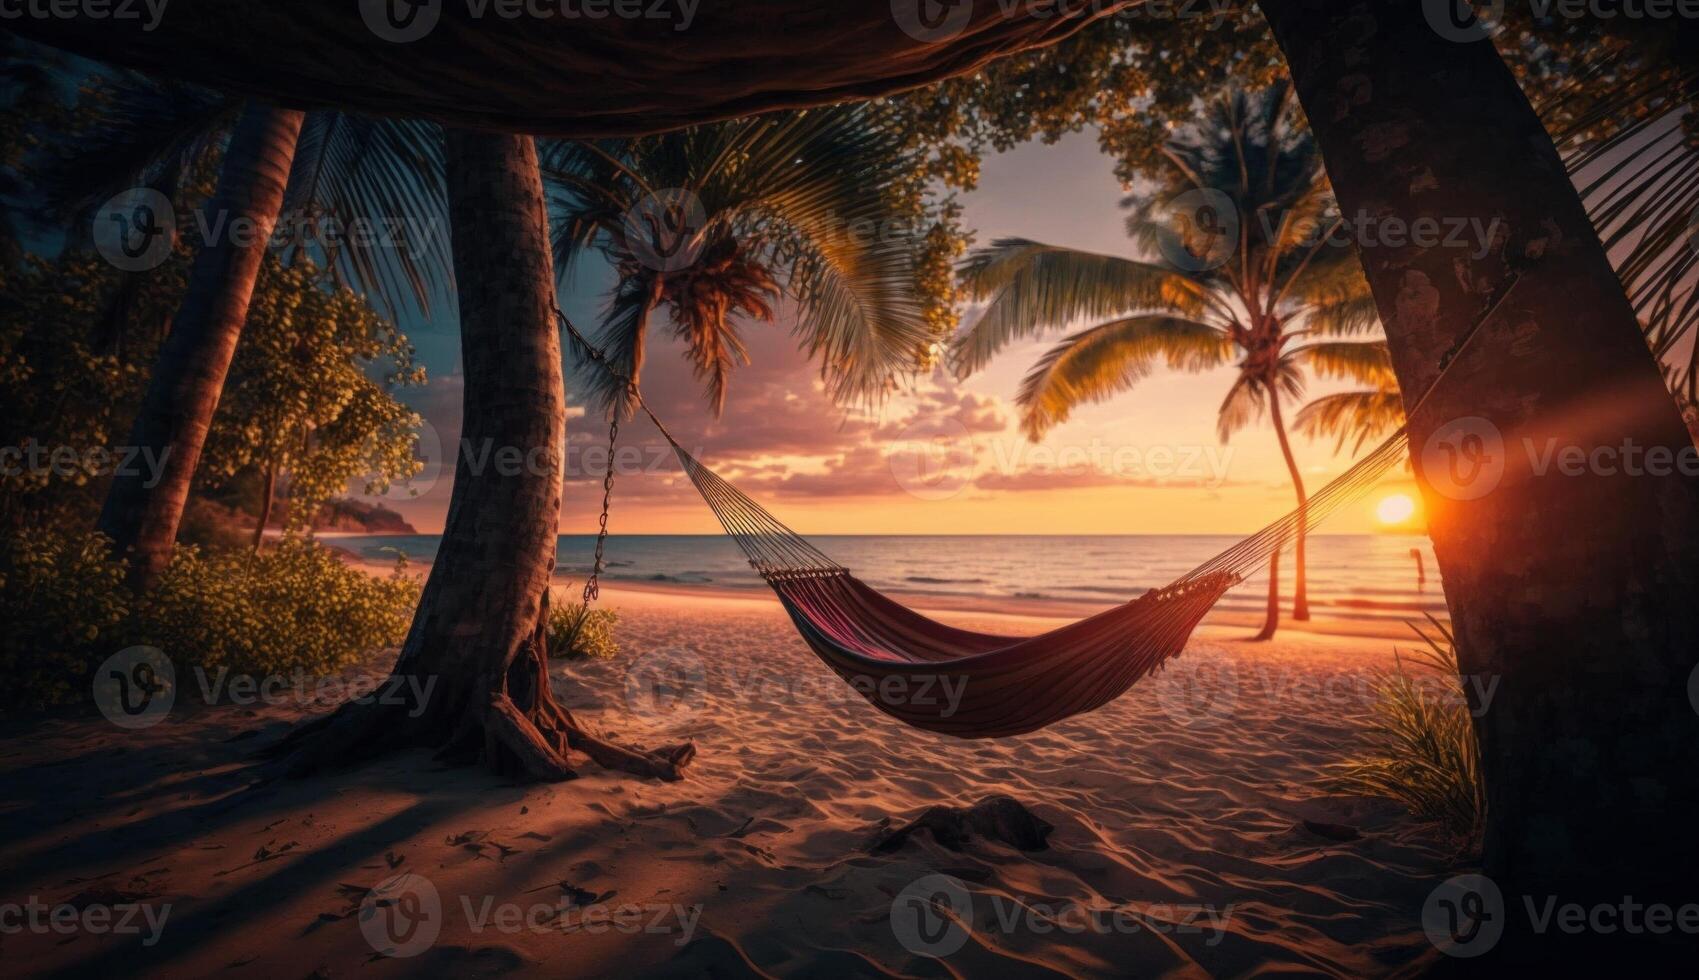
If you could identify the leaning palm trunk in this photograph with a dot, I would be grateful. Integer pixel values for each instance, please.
(141, 517)
(1300, 596)
(479, 639)
(1571, 594)
(1300, 558)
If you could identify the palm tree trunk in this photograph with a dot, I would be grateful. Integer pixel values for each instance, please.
(479, 636)
(1271, 620)
(1572, 596)
(1300, 581)
(1301, 601)
(142, 518)
(270, 493)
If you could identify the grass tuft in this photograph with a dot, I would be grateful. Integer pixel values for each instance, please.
(578, 631)
(1421, 747)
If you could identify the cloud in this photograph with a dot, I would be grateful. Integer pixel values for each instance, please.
(1021, 481)
(781, 436)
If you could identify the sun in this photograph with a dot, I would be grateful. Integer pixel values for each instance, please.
(1395, 509)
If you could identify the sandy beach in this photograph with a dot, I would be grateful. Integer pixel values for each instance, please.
(1179, 845)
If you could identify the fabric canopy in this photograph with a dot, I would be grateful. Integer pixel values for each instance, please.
(571, 68)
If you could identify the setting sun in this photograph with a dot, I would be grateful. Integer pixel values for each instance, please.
(1395, 509)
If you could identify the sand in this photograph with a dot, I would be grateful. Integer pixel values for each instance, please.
(1179, 845)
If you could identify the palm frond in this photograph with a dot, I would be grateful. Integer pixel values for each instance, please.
(622, 337)
(1033, 287)
(1253, 150)
(821, 187)
(141, 132)
(1109, 358)
(1245, 403)
(1354, 416)
(1344, 316)
(1622, 119)
(1363, 361)
(589, 195)
(370, 195)
(707, 300)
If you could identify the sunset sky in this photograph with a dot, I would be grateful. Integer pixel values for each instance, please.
(945, 458)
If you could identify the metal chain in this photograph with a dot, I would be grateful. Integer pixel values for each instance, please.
(592, 585)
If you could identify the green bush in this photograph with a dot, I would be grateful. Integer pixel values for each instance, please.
(297, 607)
(577, 631)
(62, 600)
(294, 608)
(1422, 750)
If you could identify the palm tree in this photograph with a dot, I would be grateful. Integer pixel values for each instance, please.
(323, 167)
(141, 517)
(716, 224)
(1279, 303)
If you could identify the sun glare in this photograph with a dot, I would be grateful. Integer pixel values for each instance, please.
(1396, 509)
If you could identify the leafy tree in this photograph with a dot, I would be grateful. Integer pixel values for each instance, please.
(301, 401)
(343, 173)
(314, 396)
(61, 383)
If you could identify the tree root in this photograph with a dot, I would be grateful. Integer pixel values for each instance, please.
(666, 763)
(533, 744)
(519, 730)
(513, 743)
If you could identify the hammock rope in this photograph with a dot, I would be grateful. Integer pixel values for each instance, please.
(907, 665)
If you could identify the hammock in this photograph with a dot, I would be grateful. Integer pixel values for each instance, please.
(982, 685)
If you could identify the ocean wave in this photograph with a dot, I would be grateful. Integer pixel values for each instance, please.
(678, 578)
(1113, 590)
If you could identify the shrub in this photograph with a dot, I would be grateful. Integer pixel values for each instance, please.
(1422, 750)
(575, 630)
(61, 599)
(295, 608)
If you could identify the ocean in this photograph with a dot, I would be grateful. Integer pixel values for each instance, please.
(1352, 577)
